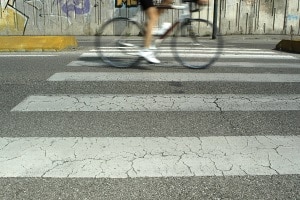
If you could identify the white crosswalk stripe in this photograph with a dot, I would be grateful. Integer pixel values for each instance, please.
(130, 157)
(165, 76)
(160, 103)
(149, 157)
(206, 54)
(227, 53)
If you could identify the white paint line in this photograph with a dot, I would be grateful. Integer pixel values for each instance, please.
(124, 157)
(205, 51)
(159, 103)
(160, 76)
(256, 65)
(198, 55)
(27, 55)
(198, 48)
(79, 63)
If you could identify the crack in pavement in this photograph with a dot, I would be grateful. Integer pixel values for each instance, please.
(137, 157)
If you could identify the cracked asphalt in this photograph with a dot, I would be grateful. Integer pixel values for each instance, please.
(137, 157)
(249, 131)
(159, 103)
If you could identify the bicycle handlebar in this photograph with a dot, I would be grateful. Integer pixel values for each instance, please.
(176, 7)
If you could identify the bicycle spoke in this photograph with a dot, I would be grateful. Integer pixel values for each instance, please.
(195, 35)
(119, 41)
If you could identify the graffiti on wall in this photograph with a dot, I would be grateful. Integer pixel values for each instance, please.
(79, 7)
(127, 3)
(12, 21)
(293, 17)
(5, 3)
(84, 16)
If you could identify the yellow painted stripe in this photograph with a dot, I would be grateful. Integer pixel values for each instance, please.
(34, 43)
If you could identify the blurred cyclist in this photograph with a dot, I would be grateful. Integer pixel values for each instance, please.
(153, 14)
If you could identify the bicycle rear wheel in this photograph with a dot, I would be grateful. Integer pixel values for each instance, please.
(193, 45)
(118, 42)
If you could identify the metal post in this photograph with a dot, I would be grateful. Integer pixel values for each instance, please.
(215, 20)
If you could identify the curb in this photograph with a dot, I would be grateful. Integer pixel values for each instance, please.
(37, 43)
(289, 46)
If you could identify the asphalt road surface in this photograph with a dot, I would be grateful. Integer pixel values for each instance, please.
(72, 127)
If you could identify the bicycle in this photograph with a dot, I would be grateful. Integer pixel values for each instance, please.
(121, 49)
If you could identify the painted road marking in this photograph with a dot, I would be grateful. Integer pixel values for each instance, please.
(198, 55)
(27, 55)
(159, 102)
(123, 157)
(167, 48)
(98, 63)
(166, 76)
(200, 50)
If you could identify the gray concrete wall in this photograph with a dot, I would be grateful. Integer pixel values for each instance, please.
(82, 17)
(260, 16)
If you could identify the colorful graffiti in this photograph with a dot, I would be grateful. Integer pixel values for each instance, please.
(12, 21)
(128, 3)
(37, 4)
(5, 3)
(293, 17)
(79, 7)
(83, 17)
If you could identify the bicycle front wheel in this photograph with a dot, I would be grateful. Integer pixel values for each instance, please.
(118, 42)
(193, 45)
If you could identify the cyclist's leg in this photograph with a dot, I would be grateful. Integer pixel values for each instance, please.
(152, 18)
(153, 15)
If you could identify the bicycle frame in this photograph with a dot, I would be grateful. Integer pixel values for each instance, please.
(185, 7)
(128, 47)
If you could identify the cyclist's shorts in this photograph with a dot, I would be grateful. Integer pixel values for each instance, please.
(146, 4)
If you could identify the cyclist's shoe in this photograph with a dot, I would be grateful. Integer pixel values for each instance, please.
(149, 56)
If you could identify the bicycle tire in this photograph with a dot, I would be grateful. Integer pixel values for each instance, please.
(194, 36)
(118, 42)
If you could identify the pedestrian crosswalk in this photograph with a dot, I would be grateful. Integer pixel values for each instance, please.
(156, 156)
(207, 53)
(160, 103)
(166, 76)
(150, 157)
(237, 54)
